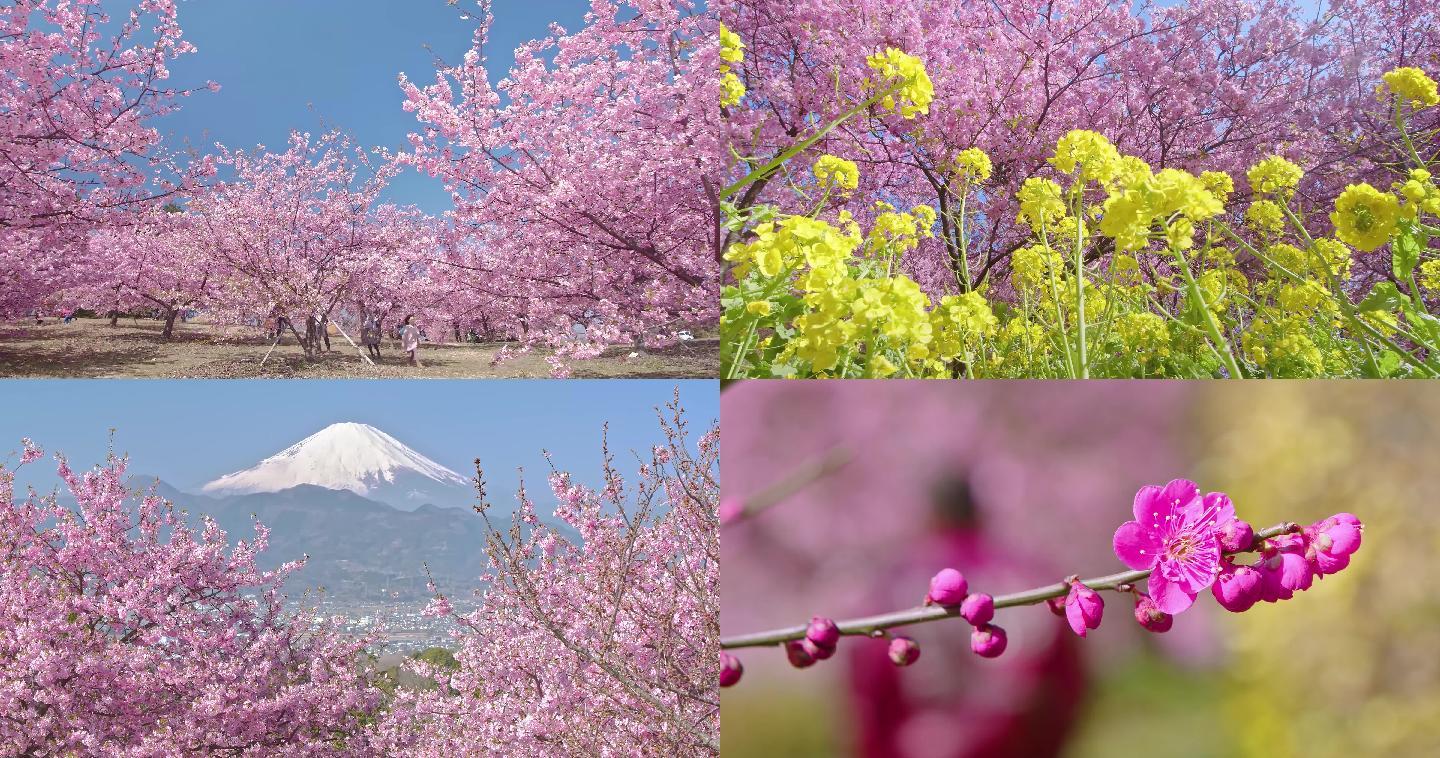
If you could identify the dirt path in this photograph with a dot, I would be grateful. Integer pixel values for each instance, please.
(91, 348)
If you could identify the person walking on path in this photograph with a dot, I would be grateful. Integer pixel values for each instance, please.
(370, 337)
(410, 341)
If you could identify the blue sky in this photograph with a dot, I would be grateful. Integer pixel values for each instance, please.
(190, 431)
(313, 64)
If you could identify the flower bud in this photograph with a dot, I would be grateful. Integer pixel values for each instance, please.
(1236, 535)
(1325, 563)
(904, 651)
(823, 632)
(799, 657)
(1271, 588)
(1237, 588)
(947, 588)
(1056, 605)
(1338, 535)
(1149, 616)
(816, 650)
(730, 669)
(988, 641)
(1083, 608)
(1295, 571)
(978, 609)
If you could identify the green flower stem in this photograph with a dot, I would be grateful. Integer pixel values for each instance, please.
(1222, 345)
(874, 626)
(800, 147)
(1347, 308)
(1055, 298)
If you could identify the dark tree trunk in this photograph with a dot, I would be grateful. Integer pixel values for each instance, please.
(170, 316)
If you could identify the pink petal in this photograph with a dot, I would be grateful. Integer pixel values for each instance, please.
(1219, 503)
(1136, 546)
(1169, 597)
(1147, 506)
(1075, 617)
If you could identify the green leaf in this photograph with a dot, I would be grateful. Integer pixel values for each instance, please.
(782, 370)
(1383, 297)
(1405, 253)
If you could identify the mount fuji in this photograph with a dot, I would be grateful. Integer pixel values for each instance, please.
(354, 457)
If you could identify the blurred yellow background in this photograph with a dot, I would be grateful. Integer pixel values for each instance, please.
(1350, 667)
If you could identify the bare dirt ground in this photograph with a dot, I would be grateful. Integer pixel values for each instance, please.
(91, 348)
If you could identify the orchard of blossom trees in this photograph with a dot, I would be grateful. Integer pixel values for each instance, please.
(578, 181)
(125, 632)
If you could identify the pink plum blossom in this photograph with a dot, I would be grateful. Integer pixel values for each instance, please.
(1237, 588)
(1175, 535)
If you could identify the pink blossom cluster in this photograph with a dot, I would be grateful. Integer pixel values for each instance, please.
(1289, 563)
(599, 644)
(124, 632)
(579, 180)
(78, 87)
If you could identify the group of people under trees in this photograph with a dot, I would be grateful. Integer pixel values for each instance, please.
(317, 332)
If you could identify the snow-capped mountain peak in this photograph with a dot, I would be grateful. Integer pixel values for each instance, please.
(345, 456)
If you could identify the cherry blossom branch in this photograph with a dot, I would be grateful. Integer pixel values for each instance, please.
(874, 626)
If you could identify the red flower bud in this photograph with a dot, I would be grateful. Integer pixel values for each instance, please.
(730, 669)
(799, 657)
(904, 651)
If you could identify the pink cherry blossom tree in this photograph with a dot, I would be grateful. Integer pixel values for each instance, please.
(78, 88)
(154, 263)
(301, 235)
(578, 178)
(601, 645)
(125, 632)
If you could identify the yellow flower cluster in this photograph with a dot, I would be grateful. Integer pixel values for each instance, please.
(1365, 217)
(1091, 153)
(1041, 204)
(895, 233)
(959, 321)
(1430, 276)
(837, 174)
(781, 246)
(915, 90)
(1274, 176)
(732, 51)
(1144, 333)
(1420, 192)
(1412, 85)
(973, 166)
(1172, 197)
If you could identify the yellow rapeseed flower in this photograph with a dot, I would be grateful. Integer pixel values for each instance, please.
(1411, 84)
(837, 174)
(1365, 217)
(915, 90)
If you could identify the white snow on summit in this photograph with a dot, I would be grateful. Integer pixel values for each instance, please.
(346, 456)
